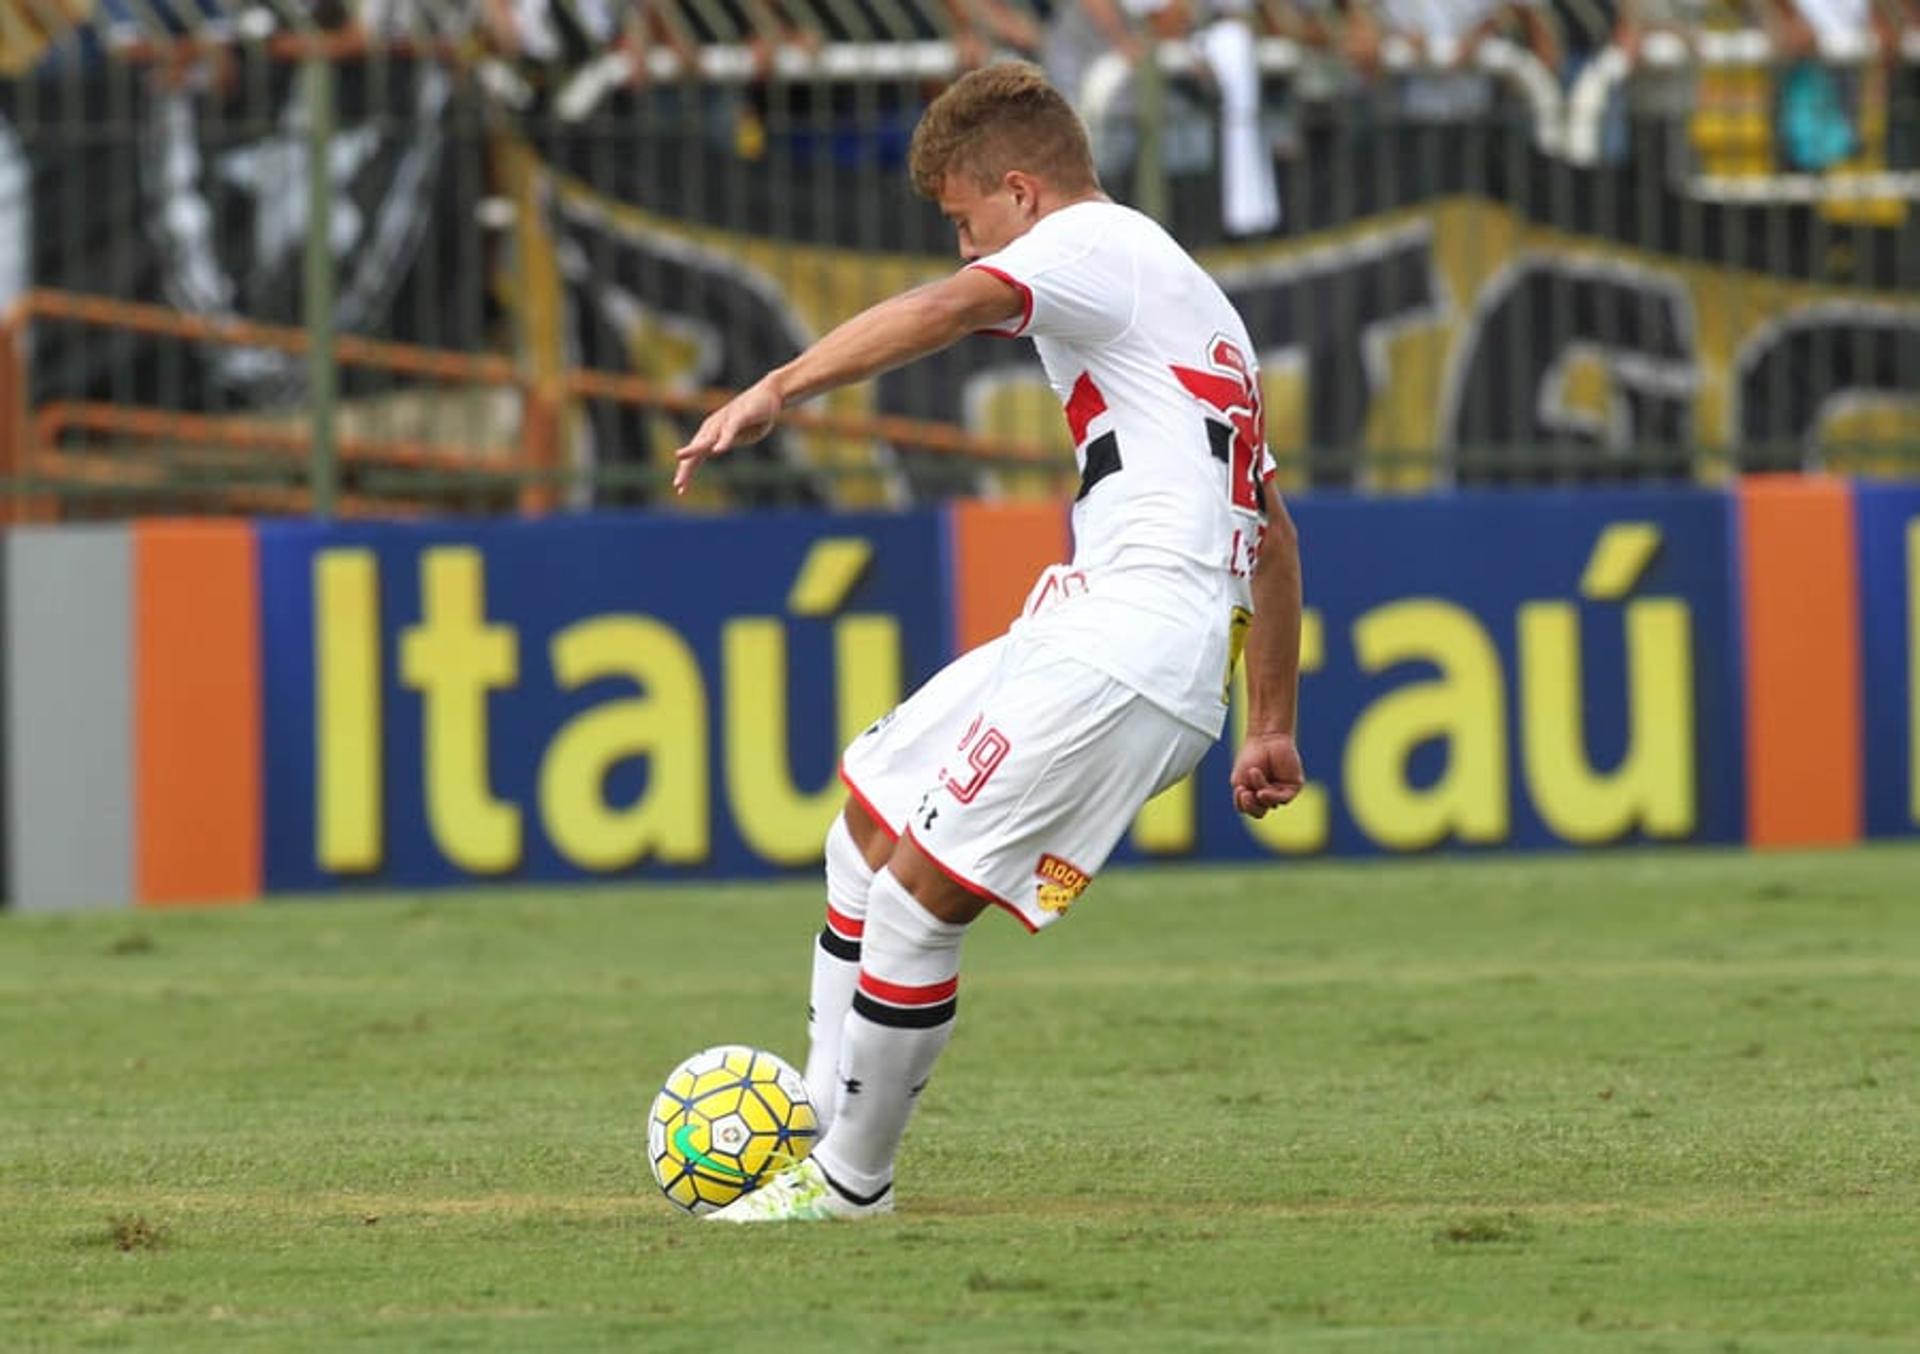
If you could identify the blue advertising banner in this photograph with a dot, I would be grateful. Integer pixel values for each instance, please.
(1887, 523)
(606, 696)
(582, 697)
(1500, 670)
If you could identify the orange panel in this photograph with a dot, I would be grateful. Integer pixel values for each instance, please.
(1804, 730)
(196, 717)
(998, 551)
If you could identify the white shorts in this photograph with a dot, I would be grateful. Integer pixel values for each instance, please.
(1016, 769)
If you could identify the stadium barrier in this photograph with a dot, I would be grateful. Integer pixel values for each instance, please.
(238, 464)
(518, 304)
(222, 710)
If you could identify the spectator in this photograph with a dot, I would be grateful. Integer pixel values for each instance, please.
(1069, 41)
(982, 26)
(1457, 28)
(1817, 105)
(1651, 118)
(1250, 196)
(1078, 34)
(1442, 127)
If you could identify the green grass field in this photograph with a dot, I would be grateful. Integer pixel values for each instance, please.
(1651, 1101)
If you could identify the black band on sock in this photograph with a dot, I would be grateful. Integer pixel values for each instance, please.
(905, 1017)
(858, 1200)
(839, 946)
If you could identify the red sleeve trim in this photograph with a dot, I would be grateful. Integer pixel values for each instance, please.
(844, 925)
(971, 887)
(879, 819)
(1026, 301)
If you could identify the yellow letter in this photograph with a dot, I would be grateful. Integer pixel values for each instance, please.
(1654, 783)
(453, 658)
(1465, 705)
(346, 710)
(667, 725)
(778, 821)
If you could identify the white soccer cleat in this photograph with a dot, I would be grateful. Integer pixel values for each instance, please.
(801, 1193)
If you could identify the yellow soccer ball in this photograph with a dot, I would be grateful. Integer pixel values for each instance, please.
(726, 1119)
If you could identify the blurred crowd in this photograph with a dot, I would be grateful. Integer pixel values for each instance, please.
(1834, 75)
(1830, 63)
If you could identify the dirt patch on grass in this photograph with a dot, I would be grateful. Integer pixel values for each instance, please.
(1486, 1229)
(130, 1232)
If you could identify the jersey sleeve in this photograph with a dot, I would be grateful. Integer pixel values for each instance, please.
(1076, 290)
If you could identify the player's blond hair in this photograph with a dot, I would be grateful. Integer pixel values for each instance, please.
(999, 118)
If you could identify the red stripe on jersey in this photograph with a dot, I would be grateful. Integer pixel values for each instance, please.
(899, 994)
(844, 925)
(1084, 405)
(1026, 301)
(1222, 392)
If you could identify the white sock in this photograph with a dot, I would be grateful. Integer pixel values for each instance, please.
(901, 1019)
(836, 966)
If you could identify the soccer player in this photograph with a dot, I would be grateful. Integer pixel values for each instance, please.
(1010, 776)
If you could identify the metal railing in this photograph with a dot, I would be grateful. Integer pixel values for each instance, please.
(130, 458)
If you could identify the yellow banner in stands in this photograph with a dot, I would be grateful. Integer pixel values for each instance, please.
(1438, 340)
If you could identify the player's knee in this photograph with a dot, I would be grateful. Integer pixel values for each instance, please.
(873, 841)
(900, 927)
(931, 887)
(849, 876)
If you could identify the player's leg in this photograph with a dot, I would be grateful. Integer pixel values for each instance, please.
(1049, 784)
(902, 1016)
(1032, 785)
(856, 847)
(895, 1029)
(884, 774)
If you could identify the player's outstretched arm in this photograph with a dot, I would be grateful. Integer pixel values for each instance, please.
(878, 339)
(1268, 773)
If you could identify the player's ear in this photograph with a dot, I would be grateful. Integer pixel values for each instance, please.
(1025, 190)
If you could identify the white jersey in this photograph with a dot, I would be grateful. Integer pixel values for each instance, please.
(1162, 395)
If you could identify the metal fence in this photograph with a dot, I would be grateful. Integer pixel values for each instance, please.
(288, 261)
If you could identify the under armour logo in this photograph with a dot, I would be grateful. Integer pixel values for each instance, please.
(851, 1085)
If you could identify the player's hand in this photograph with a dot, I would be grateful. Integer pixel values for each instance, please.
(1267, 774)
(747, 417)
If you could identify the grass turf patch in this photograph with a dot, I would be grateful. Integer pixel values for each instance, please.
(1644, 1101)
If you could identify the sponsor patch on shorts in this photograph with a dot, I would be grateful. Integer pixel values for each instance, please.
(1060, 883)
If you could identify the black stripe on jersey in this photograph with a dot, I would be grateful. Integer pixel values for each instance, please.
(905, 1017)
(839, 946)
(1220, 440)
(1103, 459)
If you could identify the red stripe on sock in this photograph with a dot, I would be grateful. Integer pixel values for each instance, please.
(899, 994)
(844, 925)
